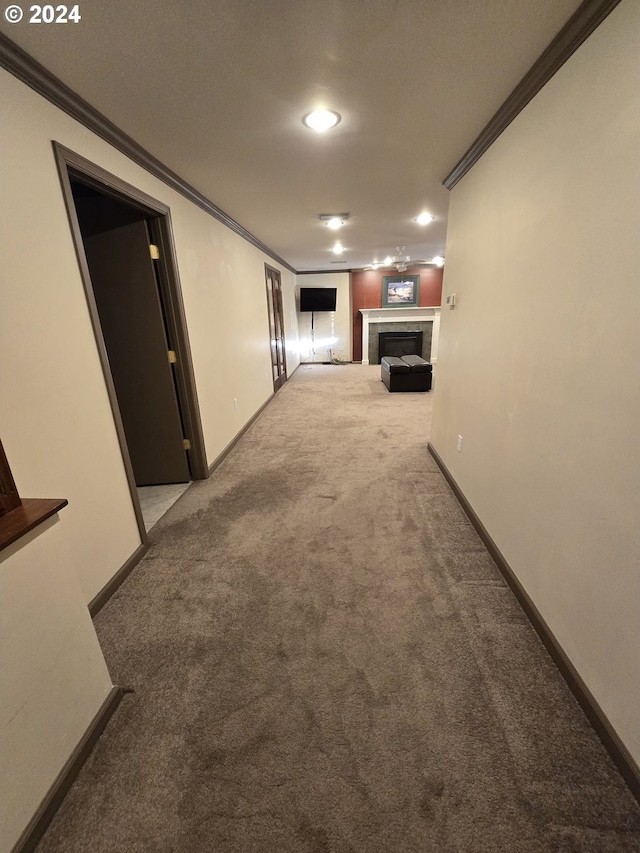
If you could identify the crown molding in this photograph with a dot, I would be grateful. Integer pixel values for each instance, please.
(19, 63)
(589, 15)
(323, 272)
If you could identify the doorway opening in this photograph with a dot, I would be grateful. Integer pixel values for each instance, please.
(124, 245)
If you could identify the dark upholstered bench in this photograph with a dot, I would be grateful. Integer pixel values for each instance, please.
(409, 373)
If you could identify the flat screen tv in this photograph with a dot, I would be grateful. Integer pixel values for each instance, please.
(318, 298)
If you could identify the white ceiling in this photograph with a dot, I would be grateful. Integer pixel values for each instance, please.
(217, 91)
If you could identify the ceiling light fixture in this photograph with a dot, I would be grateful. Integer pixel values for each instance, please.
(438, 260)
(334, 220)
(321, 119)
(424, 218)
(338, 249)
(388, 260)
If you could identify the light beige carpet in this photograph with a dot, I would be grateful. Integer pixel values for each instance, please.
(325, 659)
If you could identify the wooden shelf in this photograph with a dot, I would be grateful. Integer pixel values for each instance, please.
(22, 519)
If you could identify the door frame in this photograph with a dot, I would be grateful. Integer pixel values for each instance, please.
(274, 321)
(73, 166)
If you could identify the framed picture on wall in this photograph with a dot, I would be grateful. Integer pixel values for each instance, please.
(399, 291)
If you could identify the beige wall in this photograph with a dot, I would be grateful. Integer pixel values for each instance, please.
(53, 678)
(332, 329)
(223, 283)
(539, 361)
(58, 424)
(58, 429)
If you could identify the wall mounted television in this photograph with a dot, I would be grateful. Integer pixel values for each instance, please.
(318, 298)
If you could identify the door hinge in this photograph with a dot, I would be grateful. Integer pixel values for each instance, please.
(186, 444)
(172, 356)
(154, 251)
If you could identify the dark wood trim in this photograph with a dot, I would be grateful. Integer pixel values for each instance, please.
(9, 496)
(220, 457)
(95, 176)
(31, 512)
(36, 827)
(589, 15)
(97, 603)
(25, 68)
(275, 319)
(70, 165)
(162, 232)
(617, 750)
(61, 156)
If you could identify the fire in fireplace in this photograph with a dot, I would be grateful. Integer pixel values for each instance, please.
(399, 344)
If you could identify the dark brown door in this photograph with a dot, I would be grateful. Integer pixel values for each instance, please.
(276, 327)
(131, 317)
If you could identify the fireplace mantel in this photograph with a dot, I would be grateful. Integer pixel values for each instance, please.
(418, 313)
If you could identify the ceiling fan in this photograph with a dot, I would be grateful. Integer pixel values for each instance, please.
(400, 261)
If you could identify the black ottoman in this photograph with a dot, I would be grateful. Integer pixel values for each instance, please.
(408, 373)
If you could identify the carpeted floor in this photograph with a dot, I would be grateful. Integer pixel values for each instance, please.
(326, 660)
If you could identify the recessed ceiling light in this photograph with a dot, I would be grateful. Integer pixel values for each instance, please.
(438, 260)
(338, 249)
(335, 223)
(424, 219)
(321, 119)
(388, 260)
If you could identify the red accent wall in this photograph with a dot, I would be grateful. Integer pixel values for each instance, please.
(366, 287)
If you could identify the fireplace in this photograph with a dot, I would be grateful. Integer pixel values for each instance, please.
(412, 319)
(407, 329)
(399, 343)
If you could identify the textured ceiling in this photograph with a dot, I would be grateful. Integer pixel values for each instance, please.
(217, 90)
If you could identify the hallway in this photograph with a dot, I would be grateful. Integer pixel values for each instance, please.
(323, 657)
